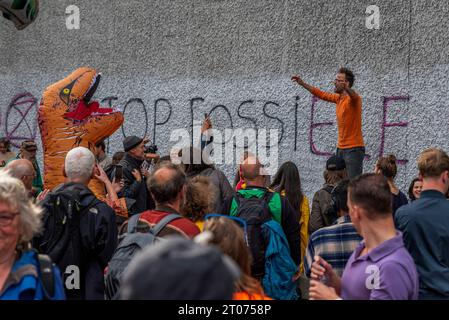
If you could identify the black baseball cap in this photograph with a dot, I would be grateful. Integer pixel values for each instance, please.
(335, 163)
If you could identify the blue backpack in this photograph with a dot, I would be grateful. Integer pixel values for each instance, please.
(279, 265)
(261, 210)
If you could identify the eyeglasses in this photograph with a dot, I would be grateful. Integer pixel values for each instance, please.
(6, 218)
(241, 222)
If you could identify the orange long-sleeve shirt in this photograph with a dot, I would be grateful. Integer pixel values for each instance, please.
(349, 118)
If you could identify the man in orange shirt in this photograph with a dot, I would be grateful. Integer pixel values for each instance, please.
(349, 119)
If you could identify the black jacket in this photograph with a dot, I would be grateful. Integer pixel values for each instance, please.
(133, 189)
(289, 223)
(98, 237)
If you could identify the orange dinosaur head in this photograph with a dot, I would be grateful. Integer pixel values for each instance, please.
(68, 119)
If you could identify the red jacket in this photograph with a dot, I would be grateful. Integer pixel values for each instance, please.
(181, 226)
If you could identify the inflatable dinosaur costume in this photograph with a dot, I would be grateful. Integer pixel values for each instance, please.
(68, 119)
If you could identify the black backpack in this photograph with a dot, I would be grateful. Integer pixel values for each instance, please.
(331, 212)
(131, 243)
(255, 212)
(61, 236)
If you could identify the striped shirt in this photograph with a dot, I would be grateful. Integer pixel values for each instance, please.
(335, 244)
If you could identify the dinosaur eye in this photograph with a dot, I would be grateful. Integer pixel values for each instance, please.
(66, 91)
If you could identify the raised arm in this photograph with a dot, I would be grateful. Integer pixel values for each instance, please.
(103, 177)
(327, 96)
(206, 134)
(302, 83)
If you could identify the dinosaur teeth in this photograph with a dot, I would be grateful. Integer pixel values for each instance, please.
(100, 114)
(92, 83)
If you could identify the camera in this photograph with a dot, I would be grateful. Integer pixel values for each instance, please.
(152, 148)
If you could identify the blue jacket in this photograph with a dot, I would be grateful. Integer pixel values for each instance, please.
(424, 224)
(279, 266)
(23, 283)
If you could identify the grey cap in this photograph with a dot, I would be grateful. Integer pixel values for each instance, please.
(131, 142)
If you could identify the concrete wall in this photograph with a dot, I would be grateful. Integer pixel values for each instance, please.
(228, 52)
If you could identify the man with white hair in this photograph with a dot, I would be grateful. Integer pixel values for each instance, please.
(80, 232)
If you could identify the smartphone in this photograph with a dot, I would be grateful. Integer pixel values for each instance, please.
(206, 115)
(118, 173)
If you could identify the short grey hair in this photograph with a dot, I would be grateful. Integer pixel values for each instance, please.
(79, 163)
(13, 193)
(19, 168)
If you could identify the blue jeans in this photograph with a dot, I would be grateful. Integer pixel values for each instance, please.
(354, 160)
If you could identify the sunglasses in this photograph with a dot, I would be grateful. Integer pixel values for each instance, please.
(241, 222)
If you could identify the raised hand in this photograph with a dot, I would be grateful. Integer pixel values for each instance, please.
(137, 175)
(207, 124)
(298, 80)
(118, 185)
(100, 174)
(144, 172)
(321, 270)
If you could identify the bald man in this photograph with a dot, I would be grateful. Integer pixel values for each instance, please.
(167, 185)
(279, 208)
(253, 172)
(23, 170)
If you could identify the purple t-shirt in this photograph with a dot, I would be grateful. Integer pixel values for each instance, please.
(386, 273)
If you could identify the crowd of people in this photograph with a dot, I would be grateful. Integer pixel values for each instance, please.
(169, 230)
(358, 228)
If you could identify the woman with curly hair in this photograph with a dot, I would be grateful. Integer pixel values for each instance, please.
(200, 199)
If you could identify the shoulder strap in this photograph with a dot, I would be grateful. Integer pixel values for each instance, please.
(92, 203)
(47, 275)
(329, 188)
(235, 203)
(166, 220)
(275, 205)
(233, 210)
(132, 223)
(268, 195)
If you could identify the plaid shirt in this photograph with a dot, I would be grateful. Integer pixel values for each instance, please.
(335, 244)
